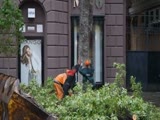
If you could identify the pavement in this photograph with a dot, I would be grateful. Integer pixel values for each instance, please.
(153, 97)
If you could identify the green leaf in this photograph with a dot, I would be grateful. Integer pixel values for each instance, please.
(10, 23)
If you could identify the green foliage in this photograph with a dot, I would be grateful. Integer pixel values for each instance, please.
(110, 102)
(120, 74)
(136, 87)
(10, 24)
(41, 94)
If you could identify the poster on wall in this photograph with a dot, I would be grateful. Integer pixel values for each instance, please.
(31, 61)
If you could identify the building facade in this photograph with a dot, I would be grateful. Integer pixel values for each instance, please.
(51, 32)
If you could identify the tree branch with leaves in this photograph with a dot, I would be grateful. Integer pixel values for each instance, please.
(11, 23)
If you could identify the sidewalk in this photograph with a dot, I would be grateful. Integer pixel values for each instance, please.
(153, 97)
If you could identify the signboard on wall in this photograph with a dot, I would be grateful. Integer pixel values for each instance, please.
(31, 61)
(31, 12)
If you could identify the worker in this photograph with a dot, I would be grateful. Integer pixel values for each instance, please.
(64, 82)
(87, 72)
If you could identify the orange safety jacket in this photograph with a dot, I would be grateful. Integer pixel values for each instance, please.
(61, 78)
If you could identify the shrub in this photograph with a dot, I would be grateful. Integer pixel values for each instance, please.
(110, 102)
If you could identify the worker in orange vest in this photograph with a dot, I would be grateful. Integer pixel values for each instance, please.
(64, 82)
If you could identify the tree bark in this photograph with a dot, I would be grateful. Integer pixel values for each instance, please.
(86, 20)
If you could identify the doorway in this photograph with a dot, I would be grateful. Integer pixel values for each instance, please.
(143, 51)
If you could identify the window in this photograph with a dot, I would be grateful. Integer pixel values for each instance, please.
(96, 45)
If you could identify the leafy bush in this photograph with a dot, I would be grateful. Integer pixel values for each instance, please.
(136, 87)
(11, 23)
(110, 102)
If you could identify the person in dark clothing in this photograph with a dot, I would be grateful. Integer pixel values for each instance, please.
(64, 82)
(71, 80)
(87, 72)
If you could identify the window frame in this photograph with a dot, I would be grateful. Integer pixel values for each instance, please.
(99, 18)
